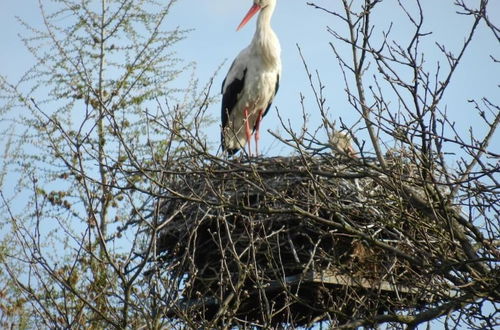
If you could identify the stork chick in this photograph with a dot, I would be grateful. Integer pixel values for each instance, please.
(341, 142)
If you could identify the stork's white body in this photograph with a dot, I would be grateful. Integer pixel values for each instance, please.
(251, 83)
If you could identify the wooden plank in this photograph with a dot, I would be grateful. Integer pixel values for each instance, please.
(329, 277)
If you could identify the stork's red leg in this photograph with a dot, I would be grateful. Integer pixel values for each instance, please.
(257, 131)
(248, 133)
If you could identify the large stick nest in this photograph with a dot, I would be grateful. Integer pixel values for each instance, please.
(299, 240)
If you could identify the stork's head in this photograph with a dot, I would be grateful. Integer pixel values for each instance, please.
(257, 5)
(263, 3)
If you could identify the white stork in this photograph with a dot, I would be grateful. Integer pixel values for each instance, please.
(341, 142)
(251, 83)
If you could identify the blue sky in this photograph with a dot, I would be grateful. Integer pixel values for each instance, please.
(214, 41)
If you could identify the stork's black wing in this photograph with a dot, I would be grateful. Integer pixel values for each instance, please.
(230, 96)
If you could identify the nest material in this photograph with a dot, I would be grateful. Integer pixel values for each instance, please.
(278, 237)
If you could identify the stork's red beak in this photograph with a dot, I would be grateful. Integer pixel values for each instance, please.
(255, 8)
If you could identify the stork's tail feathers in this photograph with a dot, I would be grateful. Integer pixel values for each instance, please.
(229, 151)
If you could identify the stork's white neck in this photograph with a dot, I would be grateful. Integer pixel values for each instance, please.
(265, 40)
(264, 21)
